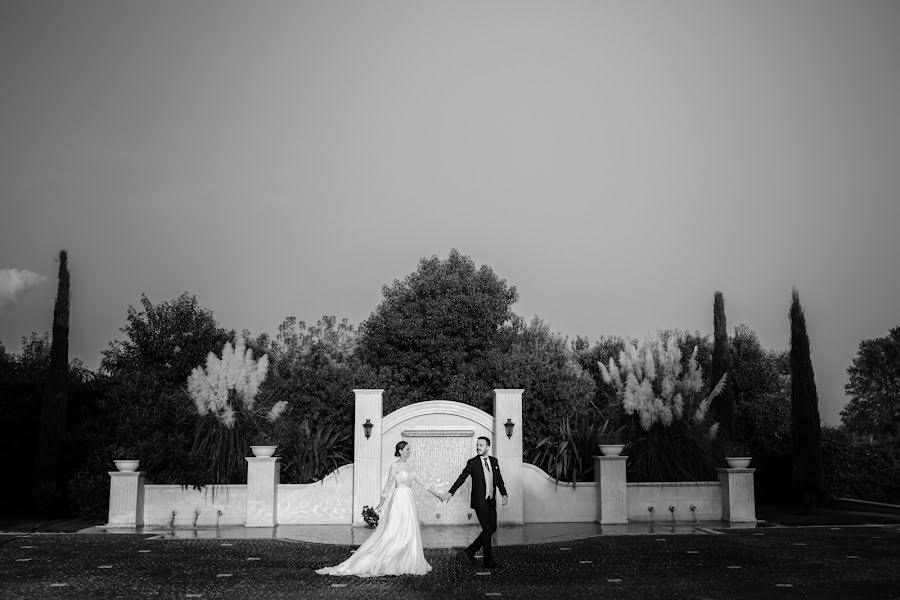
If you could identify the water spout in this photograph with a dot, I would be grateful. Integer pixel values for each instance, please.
(694, 512)
(674, 516)
(172, 520)
(196, 516)
(218, 516)
(650, 508)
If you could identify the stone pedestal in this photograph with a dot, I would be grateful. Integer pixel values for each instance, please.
(508, 451)
(738, 500)
(126, 499)
(366, 452)
(263, 474)
(612, 492)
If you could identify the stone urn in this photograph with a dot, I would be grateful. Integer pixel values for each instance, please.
(611, 449)
(127, 466)
(263, 451)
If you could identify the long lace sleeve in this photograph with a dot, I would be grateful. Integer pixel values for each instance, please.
(389, 484)
(424, 484)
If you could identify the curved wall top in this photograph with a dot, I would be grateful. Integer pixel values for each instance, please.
(431, 407)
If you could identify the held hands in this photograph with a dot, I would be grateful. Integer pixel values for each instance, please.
(445, 497)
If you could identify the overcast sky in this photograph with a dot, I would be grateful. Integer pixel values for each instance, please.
(617, 162)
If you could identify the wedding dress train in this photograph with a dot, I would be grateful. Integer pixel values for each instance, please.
(395, 547)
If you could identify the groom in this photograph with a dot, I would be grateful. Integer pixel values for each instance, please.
(486, 480)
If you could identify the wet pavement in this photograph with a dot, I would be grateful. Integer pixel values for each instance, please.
(792, 554)
(827, 562)
(433, 536)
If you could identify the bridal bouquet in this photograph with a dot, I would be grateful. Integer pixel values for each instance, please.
(370, 516)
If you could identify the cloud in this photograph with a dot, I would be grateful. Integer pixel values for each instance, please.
(14, 283)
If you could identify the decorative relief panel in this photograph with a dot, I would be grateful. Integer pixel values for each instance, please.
(438, 433)
(439, 457)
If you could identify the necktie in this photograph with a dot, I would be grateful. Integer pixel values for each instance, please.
(488, 479)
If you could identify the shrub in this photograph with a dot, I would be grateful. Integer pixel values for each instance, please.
(542, 363)
(312, 453)
(225, 396)
(567, 455)
(864, 471)
(667, 411)
(736, 449)
(132, 416)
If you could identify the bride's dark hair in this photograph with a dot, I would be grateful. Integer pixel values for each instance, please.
(400, 446)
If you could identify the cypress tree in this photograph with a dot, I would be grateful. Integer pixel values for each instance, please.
(808, 480)
(723, 405)
(48, 477)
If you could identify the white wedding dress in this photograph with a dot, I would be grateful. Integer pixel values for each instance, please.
(395, 547)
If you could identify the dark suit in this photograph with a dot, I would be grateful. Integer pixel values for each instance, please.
(485, 509)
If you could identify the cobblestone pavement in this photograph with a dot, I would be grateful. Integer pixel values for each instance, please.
(772, 563)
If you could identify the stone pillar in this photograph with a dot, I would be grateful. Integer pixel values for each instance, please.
(508, 451)
(263, 474)
(612, 491)
(126, 499)
(366, 452)
(738, 499)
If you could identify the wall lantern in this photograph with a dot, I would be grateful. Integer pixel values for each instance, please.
(509, 427)
(368, 427)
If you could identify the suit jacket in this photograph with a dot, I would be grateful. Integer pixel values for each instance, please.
(475, 469)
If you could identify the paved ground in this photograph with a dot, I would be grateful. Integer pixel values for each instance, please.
(771, 563)
(794, 554)
(433, 536)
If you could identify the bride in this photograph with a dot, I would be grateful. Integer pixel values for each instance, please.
(395, 548)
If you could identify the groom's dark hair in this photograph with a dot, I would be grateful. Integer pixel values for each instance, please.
(487, 440)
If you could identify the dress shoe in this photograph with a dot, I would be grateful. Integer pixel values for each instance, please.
(490, 564)
(464, 556)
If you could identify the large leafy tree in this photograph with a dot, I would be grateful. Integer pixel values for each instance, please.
(762, 381)
(556, 386)
(169, 339)
(141, 409)
(315, 368)
(806, 429)
(436, 332)
(874, 388)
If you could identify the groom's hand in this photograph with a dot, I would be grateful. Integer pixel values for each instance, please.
(505, 500)
(445, 497)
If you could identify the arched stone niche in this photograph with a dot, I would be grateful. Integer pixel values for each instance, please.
(442, 435)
